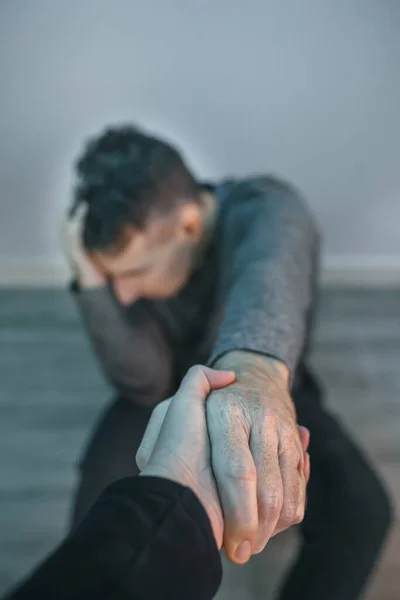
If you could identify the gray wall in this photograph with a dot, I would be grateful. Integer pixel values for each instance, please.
(307, 88)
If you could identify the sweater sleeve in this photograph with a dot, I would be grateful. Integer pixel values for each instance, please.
(146, 538)
(131, 348)
(271, 275)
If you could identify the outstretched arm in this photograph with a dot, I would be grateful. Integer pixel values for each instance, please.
(258, 456)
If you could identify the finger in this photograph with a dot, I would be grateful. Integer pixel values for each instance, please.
(304, 466)
(73, 224)
(304, 437)
(302, 444)
(78, 212)
(151, 434)
(307, 467)
(264, 447)
(235, 475)
(218, 379)
(80, 220)
(200, 381)
(294, 489)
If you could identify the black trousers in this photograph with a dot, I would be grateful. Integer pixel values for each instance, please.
(348, 512)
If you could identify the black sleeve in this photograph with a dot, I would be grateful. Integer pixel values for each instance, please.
(146, 538)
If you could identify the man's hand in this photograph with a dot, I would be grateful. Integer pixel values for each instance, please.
(259, 456)
(82, 266)
(176, 445)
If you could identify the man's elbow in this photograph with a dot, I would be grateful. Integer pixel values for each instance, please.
(291, 200)
(301, 210)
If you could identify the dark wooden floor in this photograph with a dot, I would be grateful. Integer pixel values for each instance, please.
(51, 391)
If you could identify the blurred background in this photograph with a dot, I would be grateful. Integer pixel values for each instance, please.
(308, 90)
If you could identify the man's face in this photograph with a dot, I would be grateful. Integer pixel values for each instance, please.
(156, 262)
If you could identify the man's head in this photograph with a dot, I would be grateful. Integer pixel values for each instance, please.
(145, 212)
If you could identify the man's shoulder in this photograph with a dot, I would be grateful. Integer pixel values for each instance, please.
(243, 200)
(258, 203)
(263, 195)
(256, 185)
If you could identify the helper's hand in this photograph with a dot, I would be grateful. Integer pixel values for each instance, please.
(259, 454)
(176, 445)
(88, 275)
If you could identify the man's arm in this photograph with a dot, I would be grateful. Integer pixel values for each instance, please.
(129, 343)
(273, 273)
(259, 456)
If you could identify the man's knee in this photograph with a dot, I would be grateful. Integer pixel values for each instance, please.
(113, 444)
(364, 511)
(371, 507)
(356, 503)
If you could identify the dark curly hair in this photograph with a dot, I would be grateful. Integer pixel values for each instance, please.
(125, 176)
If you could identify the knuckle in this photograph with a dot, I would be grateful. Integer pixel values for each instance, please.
(242, 524)
(196, 374)
(240, 471)
(270, 506)
(289, 444)
(288, 514)
(292, 512)
(196, 377)
(247, 528)
(299, 517)
(269, 417)
(290, 435)
(195, 371)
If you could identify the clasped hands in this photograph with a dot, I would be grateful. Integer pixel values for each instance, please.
(232, 437)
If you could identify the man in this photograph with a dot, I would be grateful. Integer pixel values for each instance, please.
(169, 273)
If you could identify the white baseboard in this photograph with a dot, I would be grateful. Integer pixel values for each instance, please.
(361, 271)
(32, 273)
(348, 271)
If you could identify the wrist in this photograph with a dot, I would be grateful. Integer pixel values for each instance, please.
(268, 375)
(154, 470)
(244, 363)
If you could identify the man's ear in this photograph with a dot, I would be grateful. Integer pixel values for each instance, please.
(191, 221)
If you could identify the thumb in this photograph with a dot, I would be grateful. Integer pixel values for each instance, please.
(193, 391)
(200, 381)
(304, 437)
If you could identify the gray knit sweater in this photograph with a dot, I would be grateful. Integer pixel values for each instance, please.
(254, 292)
